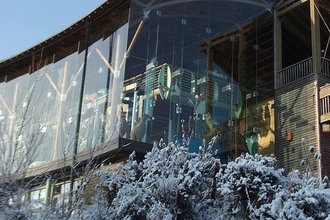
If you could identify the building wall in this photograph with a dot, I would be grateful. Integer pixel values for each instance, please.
(70, 92)
(325, 136)
(295, 112)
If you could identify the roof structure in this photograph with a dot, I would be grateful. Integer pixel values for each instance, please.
(223, 15)
(113, 12)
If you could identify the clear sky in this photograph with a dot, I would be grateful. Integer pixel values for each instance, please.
(25, 23)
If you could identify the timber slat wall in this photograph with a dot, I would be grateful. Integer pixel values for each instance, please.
(325, 103)
(295, 112)
(325, 136)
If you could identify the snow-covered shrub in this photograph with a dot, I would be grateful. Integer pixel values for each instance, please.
(169, 183)
(302, 198)
(309, 195)
(247, 183)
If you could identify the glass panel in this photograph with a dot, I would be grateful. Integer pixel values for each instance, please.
(189, 71)
(16, 113)
(38, 113)
(37, 198)
(61, 193)
(118, 58)
(95, 95)
(65, 86)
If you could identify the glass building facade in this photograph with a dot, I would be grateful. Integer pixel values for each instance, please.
(64, 103)
(181, 71)
(133, 73)
(196, 71)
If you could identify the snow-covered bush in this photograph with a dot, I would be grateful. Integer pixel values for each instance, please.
(247, 183)
(168, 184)
(304, 198)
(171, 183)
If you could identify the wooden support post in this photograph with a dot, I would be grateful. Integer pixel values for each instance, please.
(277, 47)
(316, 59)
(315, 34)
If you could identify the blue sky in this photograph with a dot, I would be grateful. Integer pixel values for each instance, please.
(25, 23)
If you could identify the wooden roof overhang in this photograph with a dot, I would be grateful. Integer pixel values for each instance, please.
(105, 20)
(296, 29)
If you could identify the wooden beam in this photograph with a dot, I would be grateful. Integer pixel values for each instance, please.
(289, 8)
(236, 32)
(325, 118)
(325, 91)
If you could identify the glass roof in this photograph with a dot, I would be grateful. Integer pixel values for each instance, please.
(222, 15)
(161, 3)
(186, 24)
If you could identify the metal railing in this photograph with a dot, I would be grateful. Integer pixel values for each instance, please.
(294, 72)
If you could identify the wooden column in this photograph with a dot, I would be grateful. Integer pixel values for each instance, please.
(315, 34)
(316, 57)
(277, 46)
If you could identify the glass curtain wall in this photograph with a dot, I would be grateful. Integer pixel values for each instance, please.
(243, 94)
(175, 88)
(39, 111)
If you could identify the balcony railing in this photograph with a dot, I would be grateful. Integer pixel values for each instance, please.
(305, 68)
(294, 72)
(325, 93)
(300, 70)
(325, 103)
(325, 66)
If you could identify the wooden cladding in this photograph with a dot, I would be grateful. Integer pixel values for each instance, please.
(295, 114)
(325, 103)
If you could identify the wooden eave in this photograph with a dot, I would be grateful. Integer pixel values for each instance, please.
(113, 13)
(220, 38)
